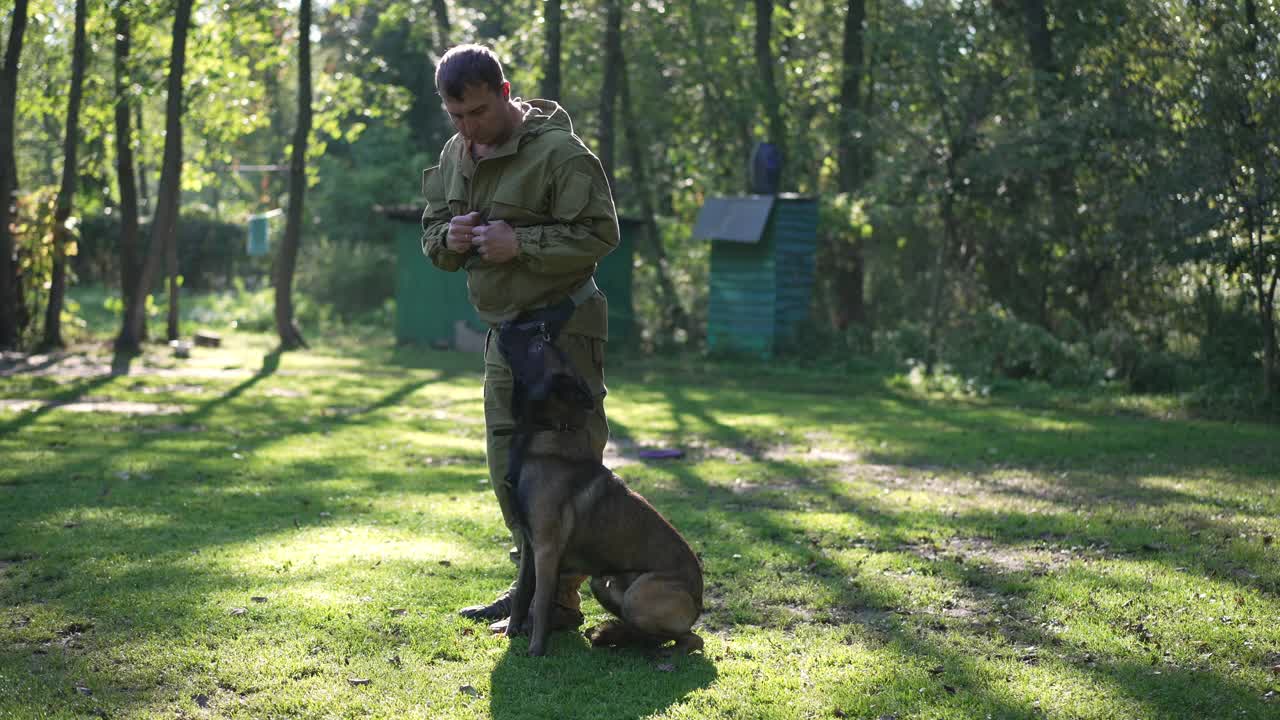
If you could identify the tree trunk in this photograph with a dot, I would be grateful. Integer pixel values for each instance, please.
(676, 318)
(441, 9)
(848, 125)
(765, 63)
(286, 328)
(8, 177)
(609, 85)
(551, 65)
(164, 224)
(67, 192)
(939, 279)
(129, 263)
(848, 269)
(144, 197)
(175, 287)
(1061, 174)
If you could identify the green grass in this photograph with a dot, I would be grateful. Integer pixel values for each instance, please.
(871, 549)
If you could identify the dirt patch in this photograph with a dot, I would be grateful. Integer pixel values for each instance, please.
(179, 388)
(1038, 558)
(119, 407)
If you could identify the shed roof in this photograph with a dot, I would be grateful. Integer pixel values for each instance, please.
(737, 219)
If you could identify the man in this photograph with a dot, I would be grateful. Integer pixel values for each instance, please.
(522, 206)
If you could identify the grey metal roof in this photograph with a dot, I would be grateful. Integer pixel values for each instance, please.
(737, 219)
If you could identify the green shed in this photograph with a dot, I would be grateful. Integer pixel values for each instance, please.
(432, 306)
(762, 256)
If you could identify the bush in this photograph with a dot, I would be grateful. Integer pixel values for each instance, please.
(210, 250)
(351, 278)
(994, 343)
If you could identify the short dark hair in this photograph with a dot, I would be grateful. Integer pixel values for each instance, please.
(466, 65)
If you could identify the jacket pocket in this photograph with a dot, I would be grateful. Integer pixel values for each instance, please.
(433, 189)
(518, 204)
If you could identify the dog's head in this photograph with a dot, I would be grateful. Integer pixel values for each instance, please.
(561, 398)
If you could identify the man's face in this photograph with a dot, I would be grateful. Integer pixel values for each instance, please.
(481, 114)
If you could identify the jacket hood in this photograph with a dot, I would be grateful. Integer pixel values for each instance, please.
(543, 115)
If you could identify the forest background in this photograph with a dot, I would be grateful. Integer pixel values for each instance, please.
(1085, 194)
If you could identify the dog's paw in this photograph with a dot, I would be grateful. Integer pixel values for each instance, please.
(610, 633)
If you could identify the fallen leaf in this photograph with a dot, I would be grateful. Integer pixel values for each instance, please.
(890, 716)
(258, 599)
(1268, 539)
(395, 661)
(937, 670)
(239, 611)
(445, 563)
(359, 681)
(70, 525)
(83, 690)
(666, 667)
(468, 690)
(471, 631)
(201, 700)
(950, 690)
(840, 713)
(398, 611)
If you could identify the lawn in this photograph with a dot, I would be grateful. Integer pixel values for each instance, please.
(249, 535)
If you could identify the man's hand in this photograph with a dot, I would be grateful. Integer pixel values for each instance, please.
(460, 227)
(496, 242)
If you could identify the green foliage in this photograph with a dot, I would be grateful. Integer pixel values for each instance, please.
(351, 278)
(211, 251)
(33, 230)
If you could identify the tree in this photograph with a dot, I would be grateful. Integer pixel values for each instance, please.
(765, 66)
(129, 251)
(8, 176)
(286, 328)
(66, 195)
(551, 63)
(609, 85)
(847, 267)
(1234, 103)
(164, 226)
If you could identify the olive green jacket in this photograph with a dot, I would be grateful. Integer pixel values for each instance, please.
(548, 186)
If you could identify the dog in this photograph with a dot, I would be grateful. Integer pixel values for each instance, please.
(580, 519)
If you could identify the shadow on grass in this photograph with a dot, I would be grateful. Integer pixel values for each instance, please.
(576, 681)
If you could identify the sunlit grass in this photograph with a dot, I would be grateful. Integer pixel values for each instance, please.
(871, 548)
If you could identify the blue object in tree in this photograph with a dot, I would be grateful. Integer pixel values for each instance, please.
(260, 233)
(766, 169)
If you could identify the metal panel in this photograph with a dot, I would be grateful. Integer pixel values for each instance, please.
(614, 276)
(429, 301)
(737, 219)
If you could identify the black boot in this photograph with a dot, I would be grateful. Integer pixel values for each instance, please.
(497, 610)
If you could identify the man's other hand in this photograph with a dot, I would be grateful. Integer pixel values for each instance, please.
(460, 227)
(496, 242)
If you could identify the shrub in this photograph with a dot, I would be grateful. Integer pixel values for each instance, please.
(351, 278)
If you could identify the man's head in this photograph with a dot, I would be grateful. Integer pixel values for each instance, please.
(469, 79)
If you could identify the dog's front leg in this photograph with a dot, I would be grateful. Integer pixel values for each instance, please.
(546, 575)
(523, 593)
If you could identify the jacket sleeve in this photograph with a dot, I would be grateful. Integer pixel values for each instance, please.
(585, 226)
(435, 221)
